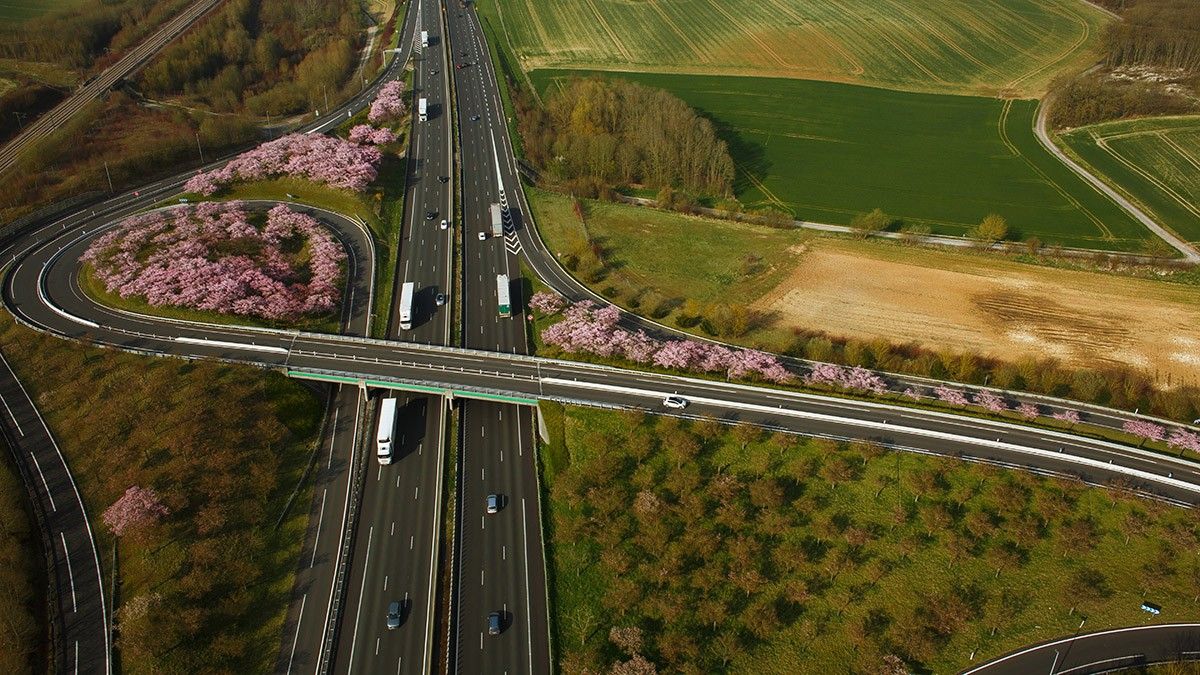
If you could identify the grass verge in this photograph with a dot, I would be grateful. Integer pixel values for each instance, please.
(224, 446)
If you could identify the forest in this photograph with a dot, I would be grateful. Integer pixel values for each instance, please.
(77, 36)
(273, 57)
(202, 588)
(594, 133)
(1151, 60)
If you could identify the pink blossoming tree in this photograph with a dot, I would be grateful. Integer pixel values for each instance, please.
(990, 402)
(322, 159)
(135, 509)
(1145, 431)
(365, 134)
(1071, 417)
(212, 257)
(952, 396)
(1184, 440)
(388, 105)
(1028, 410)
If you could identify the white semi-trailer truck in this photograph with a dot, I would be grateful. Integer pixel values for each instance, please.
(387, 429)
(424, 38)
(497, 221)
(502, 300)
(423, 109)
(406, 305)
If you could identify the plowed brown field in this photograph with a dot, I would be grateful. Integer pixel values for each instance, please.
(993, 307)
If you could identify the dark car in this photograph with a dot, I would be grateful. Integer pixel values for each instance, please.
(393, 615)
(440, 299)
(430, 215)
(444, 179)
(494, 623)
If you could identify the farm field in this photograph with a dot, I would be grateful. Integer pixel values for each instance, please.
(872, 289)
(1156, 162)
(19, 10)
(828, 151)
(1011, 48)
(742, 552)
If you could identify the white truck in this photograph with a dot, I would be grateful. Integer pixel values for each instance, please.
(387, 428)
(497, 221)
(424, 38)
(504, 304)
(406, 305)
(423, 109)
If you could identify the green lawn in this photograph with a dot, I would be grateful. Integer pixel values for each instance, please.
(1013, 47)
(829, 151)
(19, 10)
(735, 552)
(1156, 162)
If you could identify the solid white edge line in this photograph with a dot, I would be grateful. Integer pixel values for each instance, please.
(1076, 637)
(231, 345)
(871, 424)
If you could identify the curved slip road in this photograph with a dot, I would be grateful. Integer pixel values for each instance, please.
(1100, 652)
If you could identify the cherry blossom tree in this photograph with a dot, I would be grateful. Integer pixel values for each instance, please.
(912, 393)
(365, 134)
(990, 401)
(135, 509)
(1184, 440)
(1144, 430)
(388, 104)
(1028, 410)
(211, 257)
(322, 159)
(1071, 417)
(952, 396)
(547, 303)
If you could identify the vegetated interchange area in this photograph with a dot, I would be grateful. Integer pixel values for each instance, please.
(731, 550)
(827, 152)
(1011, 48)
(1156, 161)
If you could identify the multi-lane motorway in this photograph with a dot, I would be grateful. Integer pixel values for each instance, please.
(498, 563)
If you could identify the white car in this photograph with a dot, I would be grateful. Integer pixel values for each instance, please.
(483, 236)
(675, 402)
(445, 224)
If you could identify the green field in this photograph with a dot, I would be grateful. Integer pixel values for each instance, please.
(1156, 162)
(19, 10)
(828, 151)
(738, 552)
(1008, 48)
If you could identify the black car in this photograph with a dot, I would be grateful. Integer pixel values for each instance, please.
(430, 215)
(440, 299)
(393, 615)
(494, 623)
(444, 179)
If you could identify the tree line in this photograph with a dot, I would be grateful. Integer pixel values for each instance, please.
(80, 33)
(596, 132)
(1159, 35)
(267, 56)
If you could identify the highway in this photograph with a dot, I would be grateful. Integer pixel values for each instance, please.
(132, 61)
(499, 557)
(397, 535)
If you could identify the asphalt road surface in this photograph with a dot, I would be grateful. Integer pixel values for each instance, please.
(1100, 652)
(397, 537)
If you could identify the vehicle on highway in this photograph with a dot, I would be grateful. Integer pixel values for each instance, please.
(433, 72)
(493, 503)
(494, 623)
(444, 179)
(440, 299)
(423, 109)
(393, 615)
(406, 305)
(458, 66)
(497, 215)
(430, 215)
(445, 224)
(503, 303)
(474, 118)
(424, 38)
(387, 427)
(483, 236)
(675, 402)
